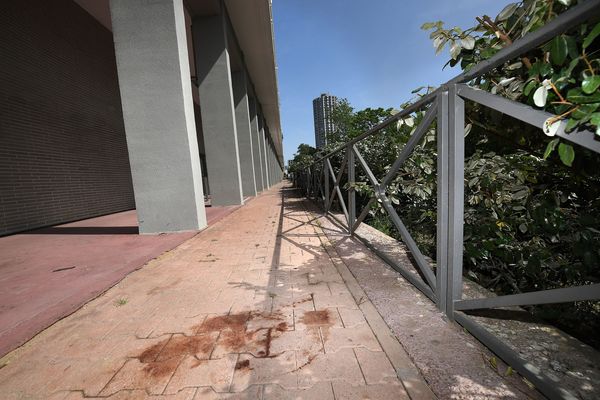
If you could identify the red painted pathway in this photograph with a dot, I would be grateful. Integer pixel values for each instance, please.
(48, 273)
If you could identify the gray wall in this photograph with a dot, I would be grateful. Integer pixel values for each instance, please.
(63, 154)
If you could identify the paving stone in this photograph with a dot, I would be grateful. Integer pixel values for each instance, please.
(132, 347)
(359, 336)
(303, 342)
(375, 366)
(193, 372)
(252, 393)
(177, 322)
(251, 371)
(341, 365)
(62, 395)
(388, 391)
(320, 391)
(303, 303)
(309, 319)
(334, 300)
(184, 394)
(247, 304)
(331, 276)
(306, 289)
(151, 376)
(282, 319)
(351, 318)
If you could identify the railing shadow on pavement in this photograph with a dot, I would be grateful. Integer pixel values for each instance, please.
(446, 105)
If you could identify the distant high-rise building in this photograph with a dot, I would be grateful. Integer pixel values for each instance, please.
(322, 109)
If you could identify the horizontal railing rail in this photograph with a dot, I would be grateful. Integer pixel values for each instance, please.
(441, 280)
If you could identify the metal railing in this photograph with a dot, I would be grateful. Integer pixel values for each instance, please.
(446, 105)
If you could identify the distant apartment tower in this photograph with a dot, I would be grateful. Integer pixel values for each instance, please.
(322, 109)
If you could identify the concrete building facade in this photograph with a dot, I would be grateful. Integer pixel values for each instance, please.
(323, 106)
(111, 105)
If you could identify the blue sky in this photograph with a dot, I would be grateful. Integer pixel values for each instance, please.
(371, 52)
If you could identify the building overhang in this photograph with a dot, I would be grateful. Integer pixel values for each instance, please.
(252, 23)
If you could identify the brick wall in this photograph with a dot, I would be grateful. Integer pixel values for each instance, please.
(63, 153)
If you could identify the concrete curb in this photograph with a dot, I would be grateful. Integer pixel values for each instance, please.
(407, 372)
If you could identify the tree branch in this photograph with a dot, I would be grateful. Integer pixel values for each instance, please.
(487, 22)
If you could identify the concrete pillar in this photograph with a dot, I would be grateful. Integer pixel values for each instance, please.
(217, 109)
(269, 161)
(261, 144)
(276, 166)
(271, 175)
(156, 96)
(265, 143)
(254, 131)
(271, 172)
(270, 156)
(275, 171)
(244, 133)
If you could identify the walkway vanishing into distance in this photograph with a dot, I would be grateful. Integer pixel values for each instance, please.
(258, 305)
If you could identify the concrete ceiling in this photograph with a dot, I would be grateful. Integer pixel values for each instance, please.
(253, 26)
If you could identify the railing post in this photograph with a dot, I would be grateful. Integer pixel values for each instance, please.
(316, 173)
(442, 201)
(456, 195)
(326, 184)
(312, 182)
(308, 182)
(351, 191)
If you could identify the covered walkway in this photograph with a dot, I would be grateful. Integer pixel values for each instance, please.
(46, 274)
(258, 304)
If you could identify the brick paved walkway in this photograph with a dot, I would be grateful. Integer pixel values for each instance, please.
(256, 307)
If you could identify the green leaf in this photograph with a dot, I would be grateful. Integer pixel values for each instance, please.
(467, 42)
(427, 25)
(488, 52)
(454, 50)
(577, 96)
(591, 36)
(558, 50)
(529, 87)
(546, 69)
(521, 194)
(584, 112)
(590, 84)
(439, 45)
(550, 147)
(534, 70)
(571, 124)
(572, 47)
(571, 66)
(566, 153)
(507, 12)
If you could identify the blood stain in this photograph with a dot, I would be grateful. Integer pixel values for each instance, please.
(316, 318)
(243, 365)
(162, 358)
(179, 346)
